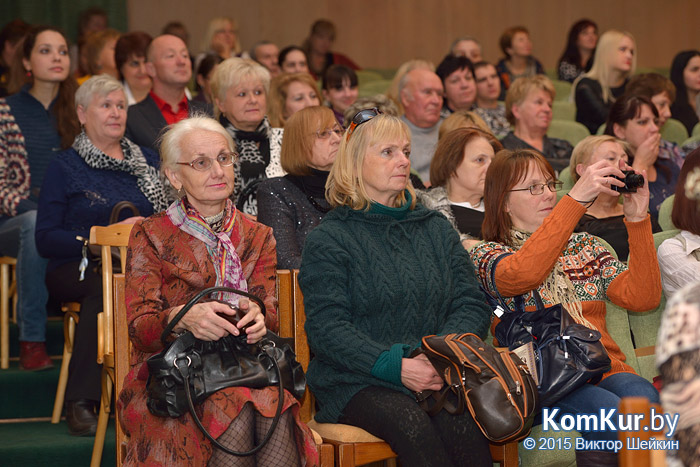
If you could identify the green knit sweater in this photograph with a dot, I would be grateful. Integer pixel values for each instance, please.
(375, 282)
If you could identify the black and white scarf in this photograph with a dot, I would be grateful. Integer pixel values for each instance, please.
(253, 149)
(147, 177)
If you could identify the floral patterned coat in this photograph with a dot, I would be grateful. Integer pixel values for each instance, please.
(166, 267)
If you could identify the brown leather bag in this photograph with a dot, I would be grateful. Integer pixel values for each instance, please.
(495, 386)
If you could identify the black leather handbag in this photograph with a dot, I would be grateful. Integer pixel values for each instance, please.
(188, 370)
(568, 354)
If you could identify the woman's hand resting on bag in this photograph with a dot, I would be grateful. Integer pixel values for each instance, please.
(418, 374)
(204, 322)
(253, 315)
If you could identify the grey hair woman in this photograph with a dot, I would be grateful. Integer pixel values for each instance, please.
(202, 241)
(80, 189)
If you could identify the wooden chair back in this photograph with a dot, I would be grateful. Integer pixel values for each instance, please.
(8, 296)
(112, 236)
(122, 360)
(109, 325)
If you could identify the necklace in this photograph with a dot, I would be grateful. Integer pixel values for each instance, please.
(216, 221)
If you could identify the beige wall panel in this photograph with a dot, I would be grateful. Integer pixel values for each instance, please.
(384, 33)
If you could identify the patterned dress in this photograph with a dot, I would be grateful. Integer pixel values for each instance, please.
(166, 267)
(596, 275)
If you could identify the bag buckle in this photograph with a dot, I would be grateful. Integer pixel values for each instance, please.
(189, 361)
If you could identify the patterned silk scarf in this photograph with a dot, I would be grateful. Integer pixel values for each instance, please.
(229, 272)
(557, 285)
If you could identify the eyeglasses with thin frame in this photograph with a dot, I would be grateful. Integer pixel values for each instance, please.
(201, 164)
(361, 117)
(325, 134)
(538, 188)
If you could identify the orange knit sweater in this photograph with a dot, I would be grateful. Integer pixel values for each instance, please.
(595, 273)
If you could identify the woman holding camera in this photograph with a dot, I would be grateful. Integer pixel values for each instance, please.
(522, 217)
(605, 217)
(634, 119)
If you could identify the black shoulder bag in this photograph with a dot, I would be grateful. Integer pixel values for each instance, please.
(188, 370)
(568, 354)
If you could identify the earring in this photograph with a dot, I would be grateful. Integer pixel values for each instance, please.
(29, 73)
(181, 192)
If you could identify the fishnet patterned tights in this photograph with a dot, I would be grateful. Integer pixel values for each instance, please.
(247, 430)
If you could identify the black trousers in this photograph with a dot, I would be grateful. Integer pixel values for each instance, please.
(83, 373)
(418, 439)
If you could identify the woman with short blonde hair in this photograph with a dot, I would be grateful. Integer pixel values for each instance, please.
(240, 87)
(529, 111)
(604, 217)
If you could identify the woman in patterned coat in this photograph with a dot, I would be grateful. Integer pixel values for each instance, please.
(522, 217)
(202, 240)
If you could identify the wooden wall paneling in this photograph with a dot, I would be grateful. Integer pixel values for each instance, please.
(385, 33)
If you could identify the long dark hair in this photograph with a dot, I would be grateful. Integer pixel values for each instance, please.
(627, 107)
(67, 123)
(571, 52)
(680, 61)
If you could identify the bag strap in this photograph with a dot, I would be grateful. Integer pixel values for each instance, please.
(268, 349)
(119, 207)
(193, 301)
(519, 299)
(441, 402)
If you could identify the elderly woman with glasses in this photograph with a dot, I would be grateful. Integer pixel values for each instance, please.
(378, 274)
(294, 204)
(81, 187)
(522, 217)
(240, 88)
(202, 240)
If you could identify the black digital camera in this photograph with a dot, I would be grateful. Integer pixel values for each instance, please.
(632, 182)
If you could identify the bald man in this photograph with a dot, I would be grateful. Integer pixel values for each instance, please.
(421, 94)
(169, 66)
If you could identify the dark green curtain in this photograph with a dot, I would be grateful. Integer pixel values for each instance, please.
(62, 13)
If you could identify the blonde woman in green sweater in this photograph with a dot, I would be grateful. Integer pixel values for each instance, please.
(379, 273)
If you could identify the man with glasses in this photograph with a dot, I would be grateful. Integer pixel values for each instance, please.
(169, 66)
(421, 94)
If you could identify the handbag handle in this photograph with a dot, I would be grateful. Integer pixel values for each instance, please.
(119, 207)
(193, 301)
(268, 348)
(519, 299)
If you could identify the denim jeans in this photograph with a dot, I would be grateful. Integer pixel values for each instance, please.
(17, 240)
(591, 398)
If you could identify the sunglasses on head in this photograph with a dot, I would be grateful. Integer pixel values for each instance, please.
(361, 117)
